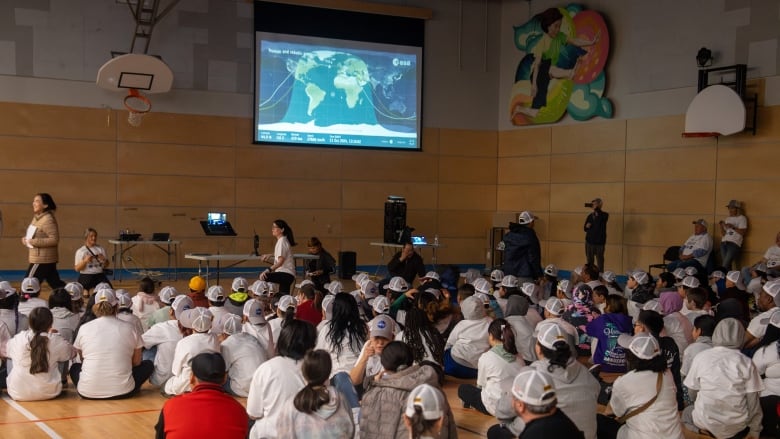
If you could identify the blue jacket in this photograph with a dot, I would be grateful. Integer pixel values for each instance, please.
(522, 252)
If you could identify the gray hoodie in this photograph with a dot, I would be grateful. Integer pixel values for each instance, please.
(729, 333)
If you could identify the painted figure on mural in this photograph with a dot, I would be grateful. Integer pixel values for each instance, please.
(563, 69)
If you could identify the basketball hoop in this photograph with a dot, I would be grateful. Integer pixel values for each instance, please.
(137, 105)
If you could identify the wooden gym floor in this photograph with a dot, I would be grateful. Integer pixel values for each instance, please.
(69, 416)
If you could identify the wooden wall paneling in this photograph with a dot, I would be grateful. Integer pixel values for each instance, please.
(661, 132)
(187, 129)
(387, 166)
(694, 198)
(159, 190)
(292, 194)
(52, 121)
(372, 195)
(523, 142)
(175, 159)
(466, 170)
(520, 197)
(468, 143)
(260, 161)
(467, 197)
(67, 155)
(522, 170)
(607, 135)
(596, 167)
(673, 164)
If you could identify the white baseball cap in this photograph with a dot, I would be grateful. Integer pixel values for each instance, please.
(7, 290)
(197, 319)
(285, 302)
(239, 284)
(549, 333)
(300, 285)
(496, 275)
(428, 399)
(481, 285)
(230, 323)
(640, 277)
(608, 276)
(31, 285)
(397, 284)
(533, 387)
(526, 217)
(691, 271)
(679, 273)
(563, 285)
(381, 305)
(551, 270)
(215, 293)
(358, 277)
(643, 345)
(554, 306)
(262, 288)
(510, 281)
(736, 277)
(124, 301)
(106, 295)
(181, 303)
(334, 287)
(167, 294)
(369, 288)
(654, 305)
(689, 282)
(432, 275)
(327, 305)
(253, 311)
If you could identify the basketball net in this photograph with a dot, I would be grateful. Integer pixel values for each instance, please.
(137, 105)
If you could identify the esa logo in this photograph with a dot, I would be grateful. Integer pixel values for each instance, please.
(401, 62)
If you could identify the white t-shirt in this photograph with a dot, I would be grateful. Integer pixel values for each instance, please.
(660, 420)
(757, 326)
(164, 335)
(130, 318)
(469, 340)
(680, 329)
(23, 386)
(276, 328)
(731, 235)
(346, 360)
(493, 373)
(274, 383)
(767, 363)
(30, 304)
(695, 242)
(217, 312)
(700, 345)
(282, 248)
(243, 355)
(772, 253)
(93, 266)
(107, 345)
(728, 385)
(186, 348)
(263, 334)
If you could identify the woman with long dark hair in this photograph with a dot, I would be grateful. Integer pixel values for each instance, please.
(420, 333)
(35, 353)
(42, 241)
(317, 411)
(282, 270)
(343, 338)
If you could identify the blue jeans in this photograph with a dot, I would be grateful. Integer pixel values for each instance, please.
(729, 253)
(343, 383)
(453, 368)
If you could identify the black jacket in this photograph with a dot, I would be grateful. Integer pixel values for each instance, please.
(597, 233)
(522, 252)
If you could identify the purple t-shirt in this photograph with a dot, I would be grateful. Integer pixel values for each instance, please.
(606, 328)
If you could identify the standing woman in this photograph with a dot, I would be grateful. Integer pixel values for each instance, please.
(35, 354)
(282, 271)
(42, 254)
(90, 261)
(319, 269)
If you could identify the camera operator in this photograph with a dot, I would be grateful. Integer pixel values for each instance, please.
(596, 233)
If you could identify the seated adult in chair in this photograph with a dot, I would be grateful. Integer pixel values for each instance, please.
(696, 250)
(407, 264)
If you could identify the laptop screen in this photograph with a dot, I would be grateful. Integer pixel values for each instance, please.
(418, 240)
(217, 218)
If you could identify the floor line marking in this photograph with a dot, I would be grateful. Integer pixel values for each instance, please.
(52, 434)
(67, 418)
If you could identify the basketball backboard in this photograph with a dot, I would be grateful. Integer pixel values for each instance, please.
(135, 71)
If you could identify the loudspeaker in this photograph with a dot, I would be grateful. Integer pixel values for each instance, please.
(347, 264)
(395, 220)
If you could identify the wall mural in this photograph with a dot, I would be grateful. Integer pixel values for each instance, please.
(562, 71)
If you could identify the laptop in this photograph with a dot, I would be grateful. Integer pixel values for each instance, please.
(216, 224)
(419, 240)
(160, 236)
